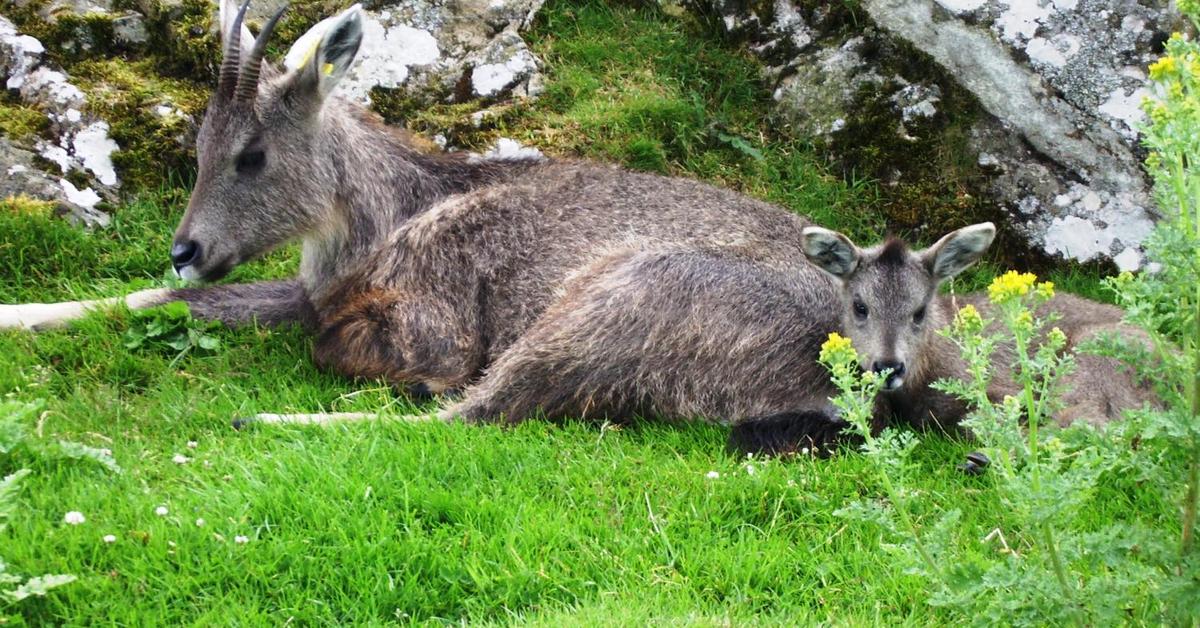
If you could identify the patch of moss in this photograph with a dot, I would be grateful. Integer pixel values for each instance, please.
(22, 205)
(126, 93)
(183, 41)
(19, 121)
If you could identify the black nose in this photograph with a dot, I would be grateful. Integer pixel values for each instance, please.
(896, 367)
(185, 253)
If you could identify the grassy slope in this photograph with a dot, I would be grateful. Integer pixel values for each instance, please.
(378, 522)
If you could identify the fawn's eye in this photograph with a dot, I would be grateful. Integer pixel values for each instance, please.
(860, 309)
(919, 315)
(250, 161)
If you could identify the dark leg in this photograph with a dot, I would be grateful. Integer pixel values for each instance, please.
(788, 433)
(269, 303)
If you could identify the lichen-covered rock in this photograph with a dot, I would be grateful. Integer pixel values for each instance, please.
(453, 51)
(20, 177)
(74, 149)
(1054, 89)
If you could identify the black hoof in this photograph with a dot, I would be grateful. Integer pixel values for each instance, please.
(976, 463)
(242, 423)
(420, 390)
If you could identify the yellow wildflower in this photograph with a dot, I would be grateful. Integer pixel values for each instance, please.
(838, 348)
(1024, 320)
(1045, 290)
(1010, 285)
(1162, 68)
(968, 319)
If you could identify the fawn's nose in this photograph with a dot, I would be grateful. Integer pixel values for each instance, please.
(185, 253)
(895, 377)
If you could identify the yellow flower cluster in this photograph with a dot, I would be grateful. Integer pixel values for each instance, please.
(1045, 290)
(1013, 285)
(968, 319)
(1010, 285)
(838, 348)
(1163, 68)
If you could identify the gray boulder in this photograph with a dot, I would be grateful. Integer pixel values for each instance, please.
(1055, 87)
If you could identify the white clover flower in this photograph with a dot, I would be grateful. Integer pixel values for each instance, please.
(712, 475)
(750, 470)
(193, 444)
(161, 511)
(74, 518)
(110, 538)
(241, 540)
(804, 451)
(180, 459)
(199, 523)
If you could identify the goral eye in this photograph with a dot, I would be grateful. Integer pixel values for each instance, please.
(919, 315)
(860, 309)
(250, 161)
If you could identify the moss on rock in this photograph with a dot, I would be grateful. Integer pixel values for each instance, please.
(20, 122)
(150, 117)
(22, 205)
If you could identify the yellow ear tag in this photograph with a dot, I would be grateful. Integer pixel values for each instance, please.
(327, 69)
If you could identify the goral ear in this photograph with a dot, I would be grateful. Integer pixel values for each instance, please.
(958, 250)
(831, 251)
(323, 55)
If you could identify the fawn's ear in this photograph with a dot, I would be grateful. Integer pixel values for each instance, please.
(227, 14)
(323, 55)
(957, 250)
(831, 251)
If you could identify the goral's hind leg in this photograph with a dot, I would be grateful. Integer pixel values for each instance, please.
(326, 418)
(40, 316)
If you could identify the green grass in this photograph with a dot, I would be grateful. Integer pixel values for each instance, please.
(379, 523)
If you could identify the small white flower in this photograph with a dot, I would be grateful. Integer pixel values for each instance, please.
(207, 464)
(74, 518)
(791, 482)
(750, 469)
(193, 444)
(110, 538)
(804, 451)
(241, 540)
(712, 475)
(200, 523)
(180, 459)
(161, 511)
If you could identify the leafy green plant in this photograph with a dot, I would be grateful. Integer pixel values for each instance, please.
(171, 328)
(1058, 565)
